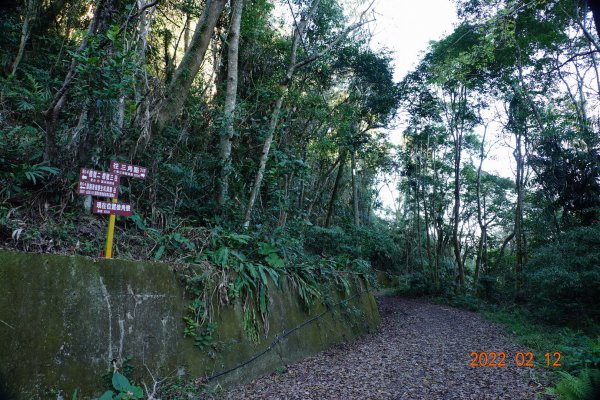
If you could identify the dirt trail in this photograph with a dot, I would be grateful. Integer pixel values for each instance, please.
(420, 351)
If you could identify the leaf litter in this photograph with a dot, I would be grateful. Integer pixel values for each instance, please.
(419, 351)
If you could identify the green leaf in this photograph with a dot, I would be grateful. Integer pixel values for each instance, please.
(221, 256)
(137, 391)
(159, 252)
(252, 269)
(238, 255)
(138, 222)
(120, 382)
(274, 276)
(108, 395)
(261, 269)
(266, 249)
(263, 300)
(112, 33)
(49, 170)
(243, 239)
(275, 261)
(30, 176)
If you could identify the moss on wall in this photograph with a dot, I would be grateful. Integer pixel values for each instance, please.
(64, 319)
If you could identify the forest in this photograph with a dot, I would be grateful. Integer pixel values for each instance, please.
(265, 129)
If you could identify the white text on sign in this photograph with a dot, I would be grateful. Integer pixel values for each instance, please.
(98, 183)
(107, 208)
(134, 171)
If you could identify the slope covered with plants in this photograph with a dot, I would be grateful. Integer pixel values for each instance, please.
(259, 122)
(262, 124)
(256, 117)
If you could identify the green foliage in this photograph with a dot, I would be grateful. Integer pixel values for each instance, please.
(564, 276)
(464, 301)
(586, 386)
(246, 267)
(26, 95)
(412, 285)
(377, 244)
(20, 178)
(204, 337)
(487, 287)
(579, 349)
(124, 389)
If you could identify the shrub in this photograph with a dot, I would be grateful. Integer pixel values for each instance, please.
(563, 277)
(586, 386)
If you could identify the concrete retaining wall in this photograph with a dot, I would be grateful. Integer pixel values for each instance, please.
(63, 319)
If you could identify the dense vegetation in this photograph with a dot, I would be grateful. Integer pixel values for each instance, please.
(522, 75)
(261, 123)
(253, 126)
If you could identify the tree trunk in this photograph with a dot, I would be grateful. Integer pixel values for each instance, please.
(177, 90)
(517, 123)
(480, 214)
(52, 114)
(300, 28)
(519, 245)
(283, 214)
(142, 112)
(186, 32)
(458, 104)
(456, 213)
(354, 190)
(48, 16)
(334, 192)
(298, 32)
(480, 250)
(418, 227)
(31, 12)
(503, 247)
(321, 184)
(434, 216)
(94, 114)
(595, 7)
(233, 41)
(263, 161)
(430, 258)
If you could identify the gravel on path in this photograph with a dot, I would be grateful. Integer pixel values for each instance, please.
(420, 351)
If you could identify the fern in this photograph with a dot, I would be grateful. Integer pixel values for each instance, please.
(584, 387)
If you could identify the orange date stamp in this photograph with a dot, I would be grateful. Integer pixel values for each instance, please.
(521, 359)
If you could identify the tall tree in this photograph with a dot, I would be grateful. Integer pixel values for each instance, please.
(299, 30)
(178, 88)
(233, 40)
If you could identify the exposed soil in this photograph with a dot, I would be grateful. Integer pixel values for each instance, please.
(420, 351)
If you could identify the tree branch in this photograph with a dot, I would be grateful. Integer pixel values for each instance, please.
(342, 35)
(587, 53)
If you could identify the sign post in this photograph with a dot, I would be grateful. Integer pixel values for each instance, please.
(110, 234)
(106, 184)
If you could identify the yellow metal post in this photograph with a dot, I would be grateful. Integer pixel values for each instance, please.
(110, 235)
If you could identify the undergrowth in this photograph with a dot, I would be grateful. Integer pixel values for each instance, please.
(240, 267)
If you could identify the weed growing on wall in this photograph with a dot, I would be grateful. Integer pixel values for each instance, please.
(233, 267)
